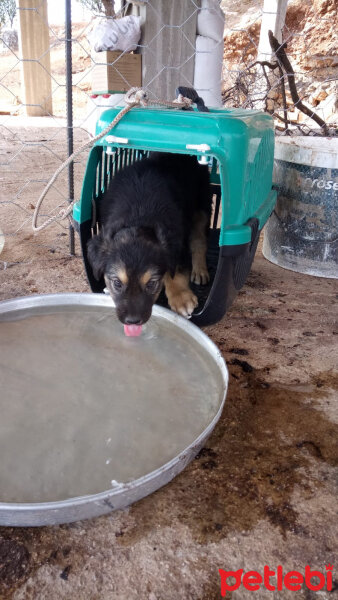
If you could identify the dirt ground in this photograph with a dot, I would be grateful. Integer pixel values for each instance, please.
(264, 489)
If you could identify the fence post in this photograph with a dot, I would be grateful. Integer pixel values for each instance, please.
(168, 46)
(273, 19)
(70, 132)
(274, 12)
(34, 50)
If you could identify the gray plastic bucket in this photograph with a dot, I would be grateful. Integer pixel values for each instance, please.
(302, 232)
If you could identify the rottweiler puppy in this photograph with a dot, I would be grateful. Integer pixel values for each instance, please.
(154, 223)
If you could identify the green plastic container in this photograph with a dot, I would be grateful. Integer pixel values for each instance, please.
(237, 144)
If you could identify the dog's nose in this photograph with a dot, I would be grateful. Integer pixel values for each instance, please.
(132, 321)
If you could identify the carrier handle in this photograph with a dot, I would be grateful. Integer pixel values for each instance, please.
(193, 96)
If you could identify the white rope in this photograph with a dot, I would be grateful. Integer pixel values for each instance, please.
(135, 97)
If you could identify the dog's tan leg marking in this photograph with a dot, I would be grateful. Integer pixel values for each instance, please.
(180, 297)
(198, 247)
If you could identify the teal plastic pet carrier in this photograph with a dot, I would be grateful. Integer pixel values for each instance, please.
(238, 146)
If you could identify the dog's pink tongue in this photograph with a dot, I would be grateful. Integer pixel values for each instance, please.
(132, 330)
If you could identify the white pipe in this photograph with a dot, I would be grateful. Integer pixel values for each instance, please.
(274, 12)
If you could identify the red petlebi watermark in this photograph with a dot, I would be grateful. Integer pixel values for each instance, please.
(291, 580)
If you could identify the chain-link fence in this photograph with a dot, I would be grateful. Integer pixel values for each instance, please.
(238, 67)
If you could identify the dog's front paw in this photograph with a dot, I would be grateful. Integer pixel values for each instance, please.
(183, 302)
(199, 275)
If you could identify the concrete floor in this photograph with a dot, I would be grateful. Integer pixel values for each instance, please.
(262, 492)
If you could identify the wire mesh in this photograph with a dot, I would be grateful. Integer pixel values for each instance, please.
(32, 148)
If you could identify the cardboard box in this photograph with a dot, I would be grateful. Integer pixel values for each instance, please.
(115, 72)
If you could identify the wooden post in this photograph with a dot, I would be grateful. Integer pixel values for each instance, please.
(168, 46)
(35, 57)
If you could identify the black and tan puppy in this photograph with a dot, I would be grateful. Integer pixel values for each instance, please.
(154, 222)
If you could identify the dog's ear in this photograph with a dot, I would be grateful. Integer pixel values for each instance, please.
(111, 227)
(98, 248)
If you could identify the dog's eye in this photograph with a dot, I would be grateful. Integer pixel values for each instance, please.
(116, 283)
(152, 285)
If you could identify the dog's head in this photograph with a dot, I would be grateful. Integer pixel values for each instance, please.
(133, 262)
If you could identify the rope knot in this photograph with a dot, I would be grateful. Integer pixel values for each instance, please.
(187, 102)
(136, 96)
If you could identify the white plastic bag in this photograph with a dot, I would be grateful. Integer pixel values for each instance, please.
(116, 34)
(210, 20)
(208, 70)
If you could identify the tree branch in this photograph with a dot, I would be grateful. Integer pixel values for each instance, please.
(284, 63)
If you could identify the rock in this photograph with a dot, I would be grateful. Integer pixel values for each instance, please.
(321, 96)
(317, 96)
(270, 105)
(329, 108)
(273, 94)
